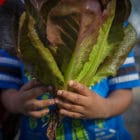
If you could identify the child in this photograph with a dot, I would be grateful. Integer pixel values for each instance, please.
(89, 114)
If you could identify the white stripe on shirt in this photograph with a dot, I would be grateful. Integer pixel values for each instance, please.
(126, 78)
(10, 61)
(129, 60)
(8, 78)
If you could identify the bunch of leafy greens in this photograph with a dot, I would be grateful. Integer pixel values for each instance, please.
(82, 40)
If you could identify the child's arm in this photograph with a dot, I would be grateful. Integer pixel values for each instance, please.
(84, 103)
(24, 100)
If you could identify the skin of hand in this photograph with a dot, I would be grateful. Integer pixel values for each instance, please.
(24, 100)
(81, 102)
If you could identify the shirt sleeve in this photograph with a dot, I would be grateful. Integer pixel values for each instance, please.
(127, 76)
(11, 71)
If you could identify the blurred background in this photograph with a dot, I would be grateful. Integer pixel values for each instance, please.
(135, 20)
(132, 116)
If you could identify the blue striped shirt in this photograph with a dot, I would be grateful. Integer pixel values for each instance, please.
(12, 76)
(76, 129)
(11, 71)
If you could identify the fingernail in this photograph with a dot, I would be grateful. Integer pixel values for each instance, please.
(71, 83)
(61, 112)
(59, 92)
(51, 103)
(47, 111)
(56, 101)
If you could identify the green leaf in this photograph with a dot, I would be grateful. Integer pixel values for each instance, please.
(117, 55)
(89, 24)
(100, 50)
(73, 39)
(41, 58)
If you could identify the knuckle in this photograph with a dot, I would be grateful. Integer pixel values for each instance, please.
(70, 107)
(43, 104)
(76, 99)
(36, 114)
(46, 103)
(42, 114)
(74, 115)
(38, 91)
(73, 108)
(33, 106)
(49, 102)
(61, 93)
(32, 114)
(76, 85)
(82, 117)
(82, 87)
(40, 105)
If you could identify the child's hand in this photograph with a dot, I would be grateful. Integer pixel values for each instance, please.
(83, 103)
(24, 101)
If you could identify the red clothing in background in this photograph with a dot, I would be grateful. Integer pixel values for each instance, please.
(2, 2)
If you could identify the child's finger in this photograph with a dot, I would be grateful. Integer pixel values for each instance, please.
(71, 114)
(31, 84)
(80, 88)
(71, 97)
(34, 93)
(69, 106)
(38, 104)
(38, 114)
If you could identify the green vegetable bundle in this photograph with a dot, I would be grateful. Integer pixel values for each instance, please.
(82, 40)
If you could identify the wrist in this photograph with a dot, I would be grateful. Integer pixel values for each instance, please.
(107, 108)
